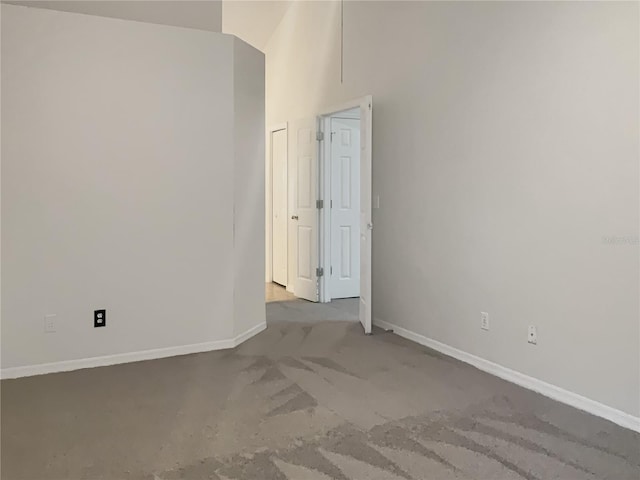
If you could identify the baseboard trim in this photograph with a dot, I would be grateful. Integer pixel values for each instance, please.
(243, 337)
(103, 361)
(548, 390)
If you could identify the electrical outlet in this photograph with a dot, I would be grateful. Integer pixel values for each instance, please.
(484, 320)
(99, 318)
(50, 323)
(532, 335)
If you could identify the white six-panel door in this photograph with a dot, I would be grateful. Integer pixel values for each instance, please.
(304, 215)
(279, 218)
(345, 208)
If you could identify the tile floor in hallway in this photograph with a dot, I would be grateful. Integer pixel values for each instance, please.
(277, 293)
(310, 398)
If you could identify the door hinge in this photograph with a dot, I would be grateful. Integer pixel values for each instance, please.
(319, 272)
(319, 136)
(331, 270)
(319, 203)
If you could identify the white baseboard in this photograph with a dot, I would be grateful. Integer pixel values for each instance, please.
(561, 395)
(243, 337)
(69, 365)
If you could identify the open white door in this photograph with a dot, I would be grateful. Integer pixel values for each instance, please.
(304, 215)
(366, 223)
(345, 208)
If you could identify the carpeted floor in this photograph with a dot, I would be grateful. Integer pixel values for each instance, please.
(305, 399)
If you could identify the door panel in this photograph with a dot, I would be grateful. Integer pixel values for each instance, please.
(346, 255)
(305, 189)
(279, 206)
(304, 219)
(304, 252)
(345, 208)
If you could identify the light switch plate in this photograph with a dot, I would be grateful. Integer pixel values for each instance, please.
(50, 323)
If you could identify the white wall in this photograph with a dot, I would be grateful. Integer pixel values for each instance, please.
(201, 14)
(249, 179)
(117, 186)
(505, 149)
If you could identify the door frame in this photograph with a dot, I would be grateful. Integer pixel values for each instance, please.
(324, 159)
(269, 200)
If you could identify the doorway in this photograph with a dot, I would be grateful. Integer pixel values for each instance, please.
(346, 131)
(324, 252)
(279, 207)
(342, 173)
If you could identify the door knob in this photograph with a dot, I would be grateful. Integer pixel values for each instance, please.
(294, 217)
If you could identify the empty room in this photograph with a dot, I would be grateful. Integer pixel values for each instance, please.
(319, 240)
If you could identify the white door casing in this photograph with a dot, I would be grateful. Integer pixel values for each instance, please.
(279, 221)
(304, 214)
(366, 222)
(345, 207)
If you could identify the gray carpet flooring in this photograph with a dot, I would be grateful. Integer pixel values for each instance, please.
(310, 398)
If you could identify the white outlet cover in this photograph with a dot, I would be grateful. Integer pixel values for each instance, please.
(532, 335)
(484, 320)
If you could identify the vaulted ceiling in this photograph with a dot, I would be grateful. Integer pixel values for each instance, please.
(253, 21)
(203, 15)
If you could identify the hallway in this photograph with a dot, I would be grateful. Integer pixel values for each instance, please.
(277, 293)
